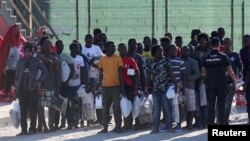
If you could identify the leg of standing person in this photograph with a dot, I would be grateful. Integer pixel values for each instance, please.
(211, 91)
(229, 100)
(49, 96)
(107, 101)
(222, 95)
(10, 80)
(166, 103)
(57, 119)
(128, 121)
(33, 106)
(115, 94)
(190, 106)
(156, 112)
(42, 126)
(23, 109)
(248, 102)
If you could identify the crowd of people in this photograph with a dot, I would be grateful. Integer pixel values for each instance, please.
(204, 74)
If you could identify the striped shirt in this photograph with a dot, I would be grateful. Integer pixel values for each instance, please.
(177, 65)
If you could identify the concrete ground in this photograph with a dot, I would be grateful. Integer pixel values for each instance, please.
(8, 132)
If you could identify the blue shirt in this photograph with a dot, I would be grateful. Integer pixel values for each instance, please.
(177, 65)
(235, 61)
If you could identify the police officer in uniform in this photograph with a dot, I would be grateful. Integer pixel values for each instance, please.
(215, 67)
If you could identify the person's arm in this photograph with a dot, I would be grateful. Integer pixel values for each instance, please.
(231, 74)
(121, 80)
(137, 76)
(70, 62)
(183, 78)
(239, 65)
(44, 72)
(229, 69)
(195, 70)
(57, 70)
(203, 71)
(142, 74)
(72, 71)
(85, 74)
(100, 67)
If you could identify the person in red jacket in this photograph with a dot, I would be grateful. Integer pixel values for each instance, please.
(12, 39)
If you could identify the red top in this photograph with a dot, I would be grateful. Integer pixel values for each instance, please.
(128, 63)
(53, 49)
(222, 48)
(178, 52)
(13, 37)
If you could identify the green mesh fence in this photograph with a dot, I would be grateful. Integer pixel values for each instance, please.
(124, 19)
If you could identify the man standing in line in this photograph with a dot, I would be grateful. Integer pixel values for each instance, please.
(111, 66)
(27, 86)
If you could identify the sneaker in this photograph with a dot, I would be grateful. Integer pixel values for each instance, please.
(116, 129)
(62, 126)
(32, 132)
(103, 131)
(22, 133)
(69, 128)
(163, 129)
(154, 131)
(178, 129)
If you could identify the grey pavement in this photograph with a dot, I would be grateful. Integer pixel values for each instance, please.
(8, 132)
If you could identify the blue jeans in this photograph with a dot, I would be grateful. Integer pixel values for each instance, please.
(201, 111)
(160, 100)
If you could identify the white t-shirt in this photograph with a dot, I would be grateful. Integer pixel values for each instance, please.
(90, 53)
(78, 63)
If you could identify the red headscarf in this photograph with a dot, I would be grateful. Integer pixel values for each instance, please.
(13, 38)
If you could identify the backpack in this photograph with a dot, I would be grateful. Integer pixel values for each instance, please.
(65, 71)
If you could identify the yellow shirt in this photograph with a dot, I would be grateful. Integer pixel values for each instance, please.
(110, 67)
(147, 54)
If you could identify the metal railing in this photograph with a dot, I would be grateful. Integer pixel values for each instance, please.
(28, 25)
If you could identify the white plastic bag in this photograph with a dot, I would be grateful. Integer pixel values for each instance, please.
(137, 106)
(234, 112)
(60, 104)
(98, 102)
(203, 95)
(147, 106)
(81, 91)
(65, 71)
(171, 92)
(15, 113)
(175, 109)
(126, 106)
(88, 108)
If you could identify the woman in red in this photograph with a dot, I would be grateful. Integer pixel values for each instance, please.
(12, 38)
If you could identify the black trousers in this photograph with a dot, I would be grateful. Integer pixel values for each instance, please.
(216, 92)
(28, 102)
(111, 95)
(248, 101)
(9, 80)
